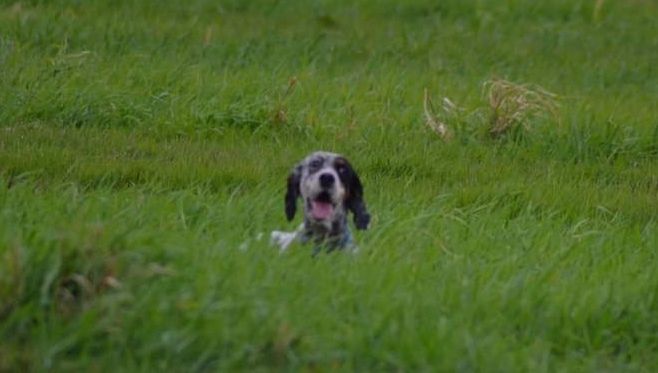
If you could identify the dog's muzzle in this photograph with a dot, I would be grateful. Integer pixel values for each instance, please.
(322, 206)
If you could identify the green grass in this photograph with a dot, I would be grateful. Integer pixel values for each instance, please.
(145, 145)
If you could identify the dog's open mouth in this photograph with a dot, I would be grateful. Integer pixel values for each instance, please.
(322, 207)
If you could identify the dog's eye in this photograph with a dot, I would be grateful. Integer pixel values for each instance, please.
(341, 169)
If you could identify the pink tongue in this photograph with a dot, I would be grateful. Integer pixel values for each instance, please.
(321, 210)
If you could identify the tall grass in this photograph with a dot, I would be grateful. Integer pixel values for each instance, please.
(144, 149)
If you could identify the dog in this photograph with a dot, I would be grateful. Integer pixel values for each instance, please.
(329, 188)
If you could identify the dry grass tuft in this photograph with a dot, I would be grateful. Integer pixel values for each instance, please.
(513, 104)
(280, 111)
(433, 121)
(596, 13)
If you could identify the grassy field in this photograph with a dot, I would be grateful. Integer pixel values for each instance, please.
(145, 145)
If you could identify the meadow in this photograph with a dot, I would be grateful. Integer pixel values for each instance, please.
(144, 147)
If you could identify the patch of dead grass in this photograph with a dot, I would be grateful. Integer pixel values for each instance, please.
(437, 121)
(511, 105)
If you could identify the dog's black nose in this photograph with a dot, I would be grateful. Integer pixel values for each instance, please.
(327, 180)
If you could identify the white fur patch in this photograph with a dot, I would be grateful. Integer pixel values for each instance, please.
(283, 239)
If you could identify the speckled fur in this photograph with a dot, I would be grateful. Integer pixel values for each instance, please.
(345, 194)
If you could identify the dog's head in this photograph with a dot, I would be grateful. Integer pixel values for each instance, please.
(328, 186)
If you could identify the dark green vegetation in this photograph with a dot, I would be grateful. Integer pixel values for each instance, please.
(144, 145)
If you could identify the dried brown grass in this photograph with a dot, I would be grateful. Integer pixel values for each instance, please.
(280, 111)
(437, 122)
(511, 105)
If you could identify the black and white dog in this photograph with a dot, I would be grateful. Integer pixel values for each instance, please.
(329, 188)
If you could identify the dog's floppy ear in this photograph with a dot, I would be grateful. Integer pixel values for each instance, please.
(292, 192)
(354, 200)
